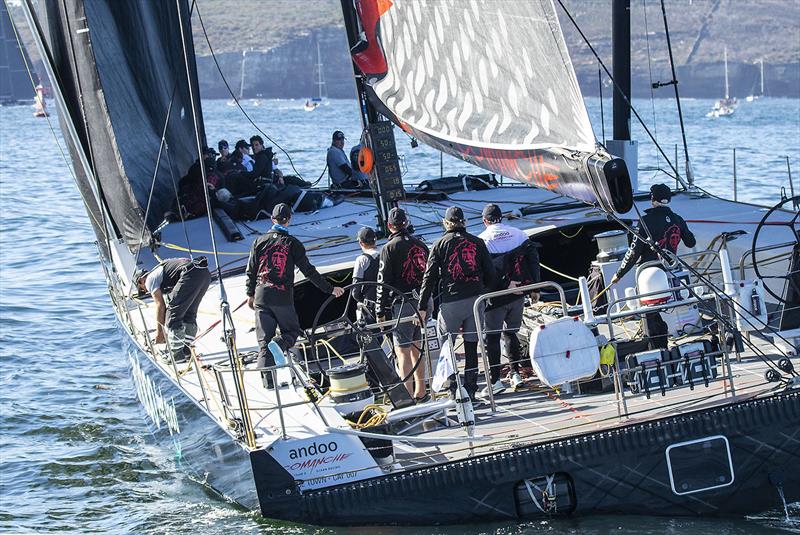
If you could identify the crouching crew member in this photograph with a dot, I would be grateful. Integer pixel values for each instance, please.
(185, 281)
(270, 286)
(516, 261)
(460, 266)
(402, 266)
(365, 269)
(667, 229)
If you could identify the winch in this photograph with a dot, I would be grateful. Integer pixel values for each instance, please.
(349, 390)
(612, 245)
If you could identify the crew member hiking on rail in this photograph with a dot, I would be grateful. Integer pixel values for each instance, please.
(667, 229)
(185, 281)
(402, 266)
(459, 265)
(270, 286)
(365, 269)
(516, 261)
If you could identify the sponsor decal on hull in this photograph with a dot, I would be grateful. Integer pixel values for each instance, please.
(160, 410)
(325, 460)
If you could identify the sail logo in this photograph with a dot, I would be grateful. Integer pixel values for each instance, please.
(160, 411)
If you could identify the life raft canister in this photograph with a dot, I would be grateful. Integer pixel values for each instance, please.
(654, 279)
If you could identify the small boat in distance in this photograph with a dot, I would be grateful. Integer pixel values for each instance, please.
(314, 102)
(751, 98)
(724, 107)
(39, 103)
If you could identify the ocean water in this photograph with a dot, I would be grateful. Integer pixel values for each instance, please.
(75, 454)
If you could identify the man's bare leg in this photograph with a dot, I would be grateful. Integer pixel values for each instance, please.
(405, 361)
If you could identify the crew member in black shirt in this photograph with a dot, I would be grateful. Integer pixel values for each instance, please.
(270, 285)
(460, 266)
(402, 266)
(667, 229)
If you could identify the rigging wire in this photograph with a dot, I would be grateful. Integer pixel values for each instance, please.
(239, 105)
(153, 187)
(617, 87)
(652, 89)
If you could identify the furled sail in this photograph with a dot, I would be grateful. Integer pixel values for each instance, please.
(120, 65)
(490, 82)
(15, 84)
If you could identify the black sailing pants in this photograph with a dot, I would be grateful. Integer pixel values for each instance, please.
(185, 297)
(270, 318)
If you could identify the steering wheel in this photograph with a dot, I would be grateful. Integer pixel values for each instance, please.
(364, 328)
(792, 224)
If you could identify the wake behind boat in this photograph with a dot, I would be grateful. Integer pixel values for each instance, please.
(601, 423)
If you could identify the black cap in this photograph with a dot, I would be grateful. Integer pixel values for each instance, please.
(338, 135)
(222, 144)
(138, 274)
(660, 193)
(366, 235)
(242, 143)
(454, 214)
(492, 212)
(397, 217)
(282, 212)
(209, 151)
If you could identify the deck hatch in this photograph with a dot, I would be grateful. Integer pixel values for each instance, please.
(700, 465)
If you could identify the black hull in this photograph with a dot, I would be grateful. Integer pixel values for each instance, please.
(619, 471)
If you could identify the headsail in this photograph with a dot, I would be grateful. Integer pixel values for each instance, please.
(490, 82)
(118, 65)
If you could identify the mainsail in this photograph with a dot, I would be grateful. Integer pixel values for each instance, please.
(121, 67)
(15, 84)
(490, 82)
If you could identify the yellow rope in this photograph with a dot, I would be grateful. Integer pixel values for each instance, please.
(184, 249)
(576, 233)
(548, 268)
(377, 418)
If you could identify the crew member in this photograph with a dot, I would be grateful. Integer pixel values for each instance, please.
(365, 269)
(667, 229)
(339, 170)
(516, 262)
(186, 282)
(460, 266)
(224, 162)
(270, 286)
(402, 266)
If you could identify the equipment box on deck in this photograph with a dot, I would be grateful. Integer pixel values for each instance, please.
(695, 362)
(649, 371)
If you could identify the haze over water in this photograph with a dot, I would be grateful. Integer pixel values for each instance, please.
(75, 453)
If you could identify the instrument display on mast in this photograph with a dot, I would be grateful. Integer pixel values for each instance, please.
(387, 166)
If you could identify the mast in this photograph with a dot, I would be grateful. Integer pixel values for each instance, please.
(727, 95)
(241, 78)
(761, 61)
(369, 115)
(320, 79)
(622, 145)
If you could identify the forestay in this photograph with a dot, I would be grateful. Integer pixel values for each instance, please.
(491, 82)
